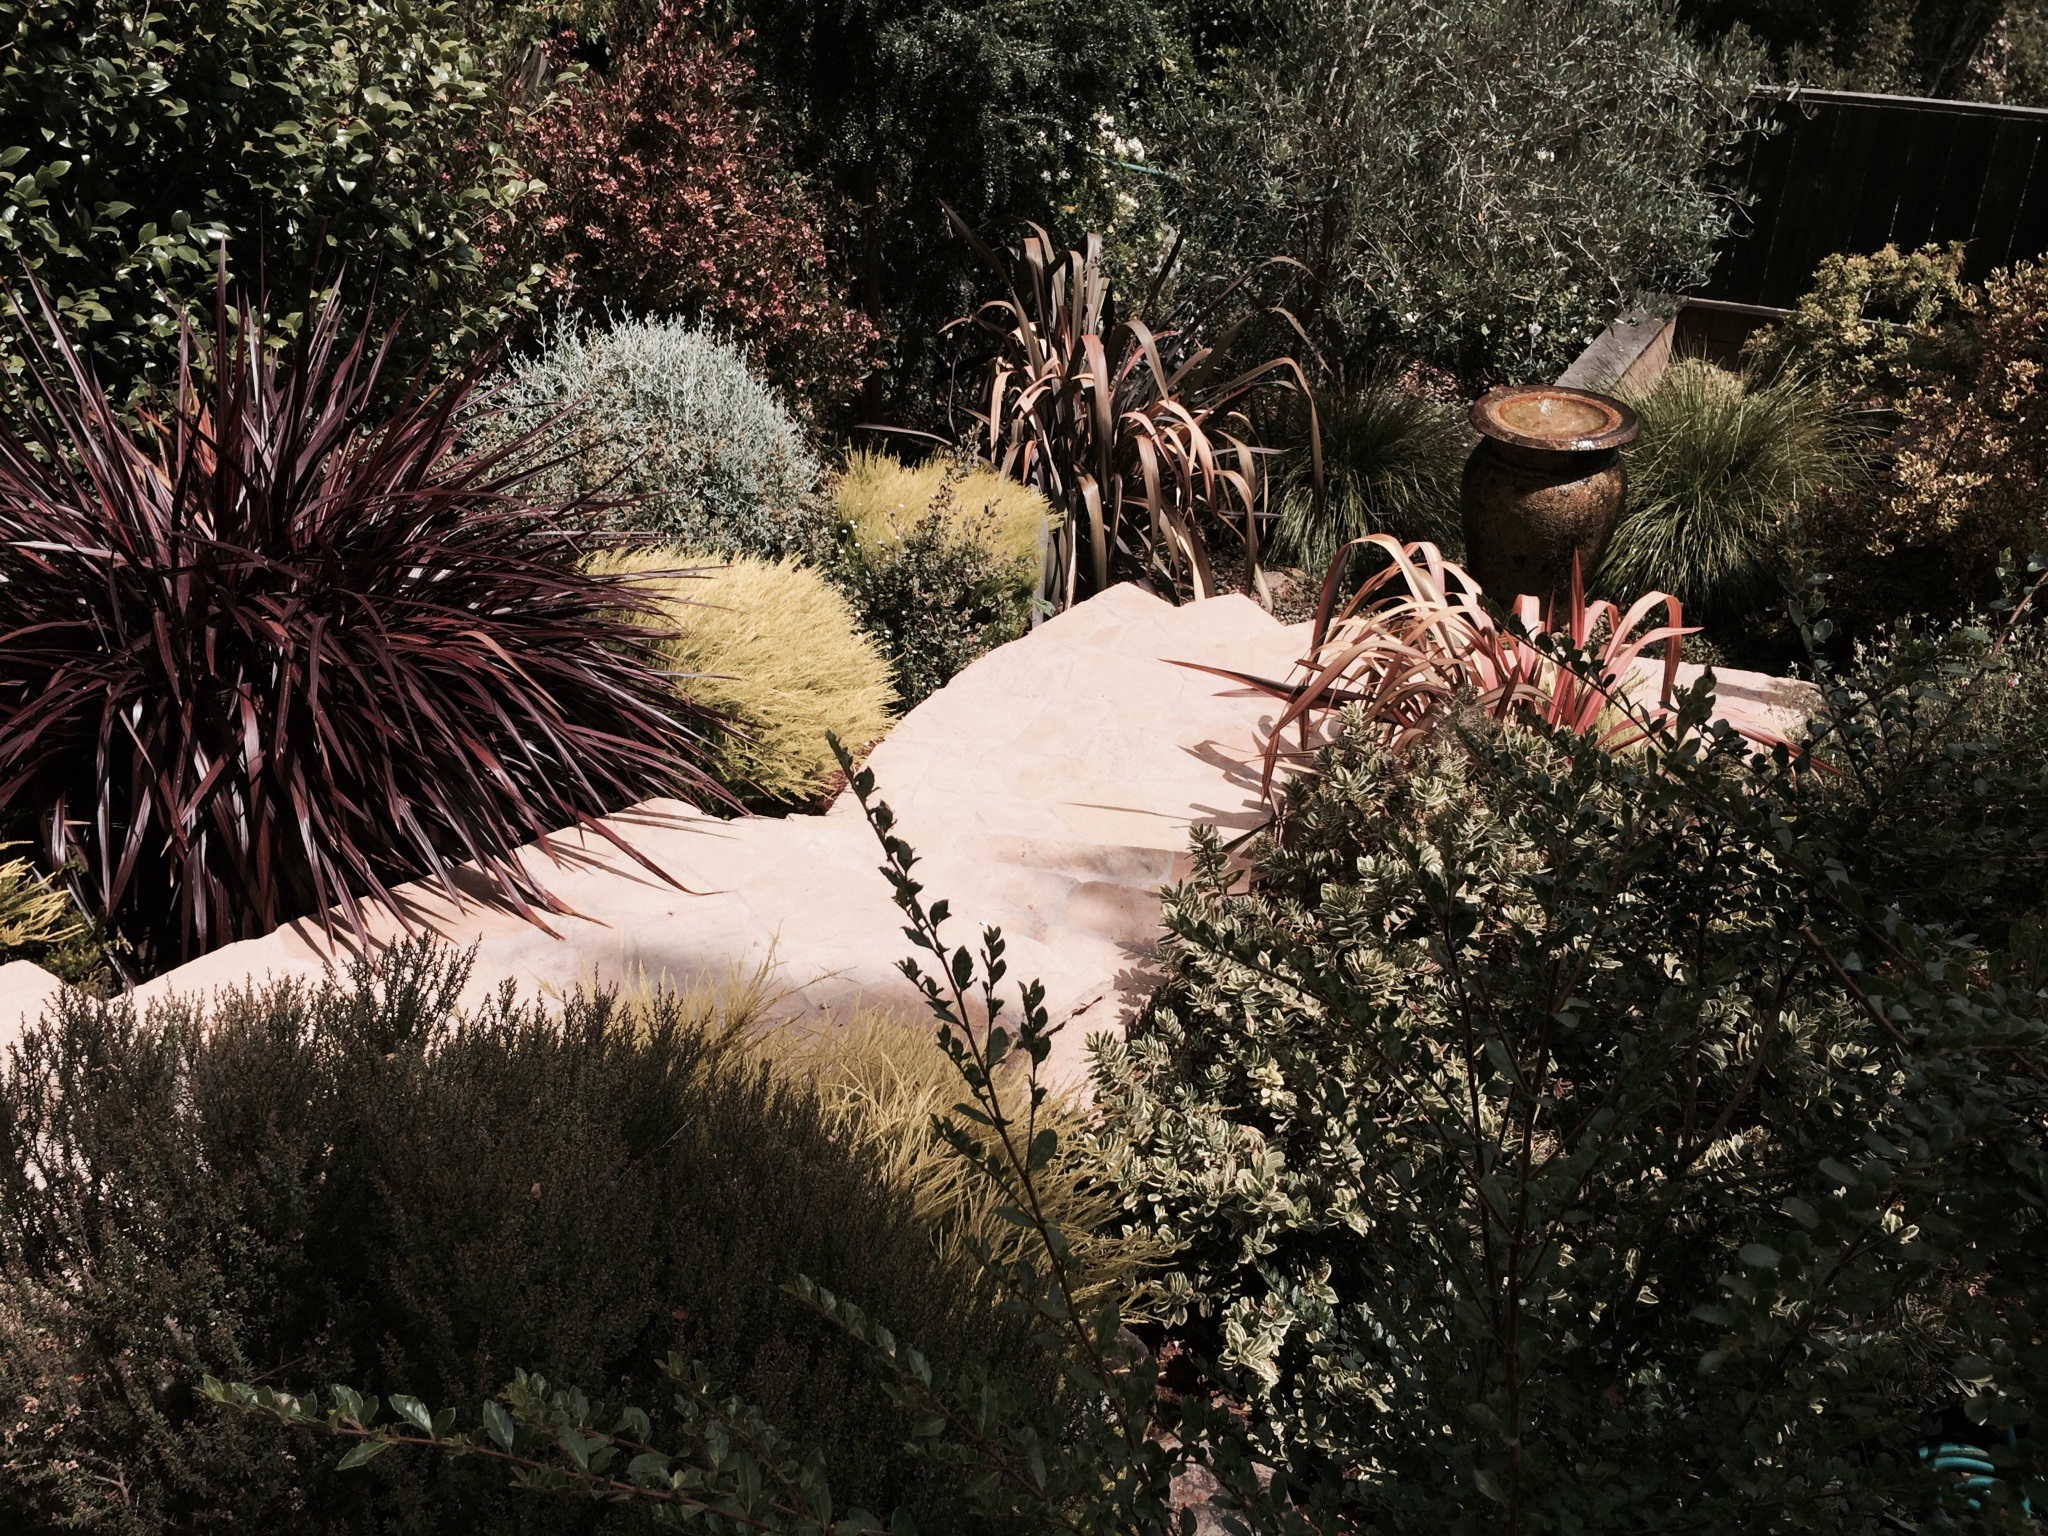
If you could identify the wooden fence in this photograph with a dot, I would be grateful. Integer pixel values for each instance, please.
(1853, 172)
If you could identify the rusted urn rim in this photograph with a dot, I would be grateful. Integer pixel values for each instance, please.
(1553, 419)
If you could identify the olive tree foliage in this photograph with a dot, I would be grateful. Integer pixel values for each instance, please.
(1477, 184)
(358, 141)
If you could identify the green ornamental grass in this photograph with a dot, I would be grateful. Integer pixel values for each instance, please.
(1714, 481)
(1391, 462)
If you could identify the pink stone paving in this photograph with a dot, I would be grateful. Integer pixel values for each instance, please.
(1049, 789)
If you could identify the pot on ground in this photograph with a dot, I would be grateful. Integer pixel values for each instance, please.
(1546, 482)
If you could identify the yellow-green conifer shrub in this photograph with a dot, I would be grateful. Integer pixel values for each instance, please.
(879, 498)
(772, 645)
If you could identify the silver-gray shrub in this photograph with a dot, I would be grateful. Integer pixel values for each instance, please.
(668, 419)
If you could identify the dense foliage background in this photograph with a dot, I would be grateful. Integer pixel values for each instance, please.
(356, 142)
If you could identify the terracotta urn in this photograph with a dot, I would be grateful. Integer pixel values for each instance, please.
(1545, 481)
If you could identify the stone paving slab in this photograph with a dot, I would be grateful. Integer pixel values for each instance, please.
(1049, 789)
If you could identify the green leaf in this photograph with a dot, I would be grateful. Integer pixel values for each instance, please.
(498, 1424)
(362, 1451)
(413, 1411)
(1759, 1255)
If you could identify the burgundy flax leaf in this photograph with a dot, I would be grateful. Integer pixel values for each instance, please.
(270, 650)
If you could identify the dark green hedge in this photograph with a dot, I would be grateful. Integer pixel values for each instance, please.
(353, 1183)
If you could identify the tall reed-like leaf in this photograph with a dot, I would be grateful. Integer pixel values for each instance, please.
(1415, 635)
(272, 654)
(1138, 438)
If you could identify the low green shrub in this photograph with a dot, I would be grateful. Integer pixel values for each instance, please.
(1872, 326)
(934, 562)
(773, 648)
(1715, 482)
(1391, 463)
(1565, 1140)
(354, 1182)
(668, 420)
(1557, 1141)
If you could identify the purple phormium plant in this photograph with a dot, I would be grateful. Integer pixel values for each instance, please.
(279, 650)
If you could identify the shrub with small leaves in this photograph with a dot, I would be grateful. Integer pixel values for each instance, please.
(669, 423)
(1962, 475)
(352, 142)
(1562, 1139)
(1871, 327)
(940, 585)
(356, 1181)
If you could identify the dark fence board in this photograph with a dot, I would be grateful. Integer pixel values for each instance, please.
(1848, 171)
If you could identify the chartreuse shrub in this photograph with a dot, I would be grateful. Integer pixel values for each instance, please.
(772, 647)
(355, 142)
(291, 644)
(940, 560)
(667, 421)
(353, 1181)
(880, 499)
(1870, 326)
(41, 924)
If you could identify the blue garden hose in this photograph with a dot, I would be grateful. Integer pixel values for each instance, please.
(1978, 1473)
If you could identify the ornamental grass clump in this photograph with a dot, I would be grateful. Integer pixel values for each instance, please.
(275, 652)
(887, 1090)
(773, 648)
(1715, 482)
(1391, 461)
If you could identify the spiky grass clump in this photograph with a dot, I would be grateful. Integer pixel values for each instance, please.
(773, 648)
(669, 421)
(283, 652)
(879, 499)
(1713, 480)
(34, 915)
(884, 1084)
(1391, 462)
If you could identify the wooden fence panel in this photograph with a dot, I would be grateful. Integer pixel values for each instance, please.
(1848, 171)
